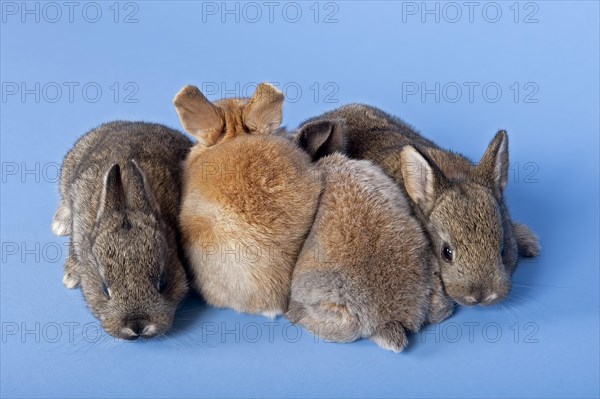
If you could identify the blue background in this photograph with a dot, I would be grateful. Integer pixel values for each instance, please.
(374, 52)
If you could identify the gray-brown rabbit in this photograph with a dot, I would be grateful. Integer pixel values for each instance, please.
(249, 198)
(366, 269)
(460, 204)
(120, 196)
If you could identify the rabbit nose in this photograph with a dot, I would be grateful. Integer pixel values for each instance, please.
(490, 298)
(481, 297)
(133, 329)
(471, 300)
(474, 297)
(149, 330)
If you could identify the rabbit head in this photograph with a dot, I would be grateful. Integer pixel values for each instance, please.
(211, 123)
(133, 279)
(467, 221)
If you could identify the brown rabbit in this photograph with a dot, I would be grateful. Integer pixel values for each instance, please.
(249, 200)
(460, 204)
(366, 269)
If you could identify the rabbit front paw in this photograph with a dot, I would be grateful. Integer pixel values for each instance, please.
(440, 309)
(71, 280)
(61, 223)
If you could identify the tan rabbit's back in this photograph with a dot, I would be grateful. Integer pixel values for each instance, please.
(248, 206)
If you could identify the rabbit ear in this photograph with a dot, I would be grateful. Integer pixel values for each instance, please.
(421, 178)
(321, 138)
(264, 111)
(139, 194)
(493, 167)
(112, 198)
(199, 117)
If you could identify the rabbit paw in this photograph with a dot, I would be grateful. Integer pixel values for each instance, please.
(529, 249)
(296, 312)
(440, 307)
(440, 311)
(71, 280)
(527, 241)
(61, 223)
(440, 304)
(391, 337)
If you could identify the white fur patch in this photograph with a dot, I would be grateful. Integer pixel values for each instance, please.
(149, 330)
(272, 314)
(61, 223)
(128, 331)
(491, 297)
(60, 228)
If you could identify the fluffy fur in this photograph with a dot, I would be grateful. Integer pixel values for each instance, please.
(120, 195)
(249, 200)
(461, 205)
(366, 268)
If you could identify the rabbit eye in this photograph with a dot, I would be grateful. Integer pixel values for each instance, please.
(105, 290)
(162, 283)
(447, 253)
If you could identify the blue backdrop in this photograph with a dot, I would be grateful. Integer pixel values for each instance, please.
(457, 71)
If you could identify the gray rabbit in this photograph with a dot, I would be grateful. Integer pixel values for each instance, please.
(366, 269)
(460, 204)
(120, 197)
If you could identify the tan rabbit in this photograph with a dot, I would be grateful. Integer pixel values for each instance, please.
(366, 269)
(460, 204)
(249, 200)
